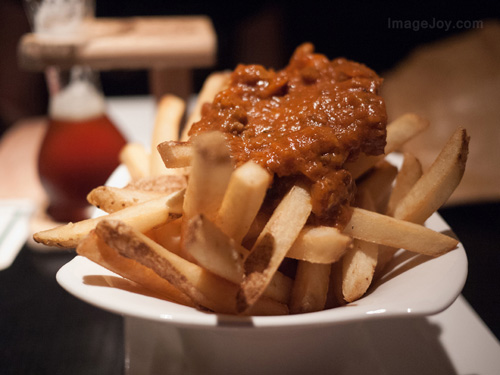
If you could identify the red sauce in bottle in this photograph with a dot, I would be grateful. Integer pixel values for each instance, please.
(75, 157)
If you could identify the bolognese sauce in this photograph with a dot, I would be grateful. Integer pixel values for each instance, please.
(303, 122)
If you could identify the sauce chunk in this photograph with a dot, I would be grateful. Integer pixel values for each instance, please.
(303, 122)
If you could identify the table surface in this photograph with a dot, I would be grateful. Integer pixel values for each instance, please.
(44, 330)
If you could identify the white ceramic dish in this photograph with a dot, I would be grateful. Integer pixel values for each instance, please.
(427, 286)
(193, 342)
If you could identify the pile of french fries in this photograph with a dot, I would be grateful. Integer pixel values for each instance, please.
(190, 226)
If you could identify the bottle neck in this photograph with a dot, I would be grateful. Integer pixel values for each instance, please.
(75, 95)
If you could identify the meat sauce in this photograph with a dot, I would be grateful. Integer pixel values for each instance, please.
(303, 123)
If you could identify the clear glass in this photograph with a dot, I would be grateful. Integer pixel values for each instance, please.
(58, 18)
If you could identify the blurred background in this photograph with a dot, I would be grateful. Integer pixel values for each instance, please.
(439, 59)
(262, 32)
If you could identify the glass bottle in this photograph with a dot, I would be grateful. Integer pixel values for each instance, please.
(81, 146)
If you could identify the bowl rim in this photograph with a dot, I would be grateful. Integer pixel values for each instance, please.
(445, 276)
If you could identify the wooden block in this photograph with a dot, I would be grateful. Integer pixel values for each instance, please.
(176, 81)
(130, 43)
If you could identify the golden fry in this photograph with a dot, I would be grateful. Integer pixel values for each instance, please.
(244, 196)
(204, 288)
(143, 216)
(223, 256)
(214, 83)
(166, 128)
(358, 267)
(359, 263)
(168, 235)
(310, 287)
(436, 185)
(166, 184)
(209, 177)
(384, 230)
(176, 154)
(399, 131)
(319, 244)
(410, 172)
(431, 190)
(271, 246)
(378, 184)
(93, 248)
(214, 250)
(135, 157)
(111, 199)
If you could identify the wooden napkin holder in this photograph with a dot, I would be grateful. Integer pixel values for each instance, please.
(168, 47)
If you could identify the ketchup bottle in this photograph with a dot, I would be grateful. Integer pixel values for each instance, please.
(81, 146)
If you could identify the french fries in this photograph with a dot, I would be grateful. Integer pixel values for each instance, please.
(221, 255)
(204, 288)
(430, 190)
(111, 199)
(166, 128)
(358, 268)
(408, 175)
(399, 131)
(135, 157)
(207, 240)
(175, 154)
(244, 195)
(378, 185)
(168, 235)
(310, 288)
(214, 250)
(359, 263)
(95, 249)
(319, 244)
(273, 243)
(436, 185)
(143, 216)
(212, 86)
(385, 230)
(209, 177)
(166, 184)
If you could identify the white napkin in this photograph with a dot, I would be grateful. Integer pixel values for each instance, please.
(15, 215)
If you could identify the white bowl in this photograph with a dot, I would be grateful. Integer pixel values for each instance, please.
(164, 337)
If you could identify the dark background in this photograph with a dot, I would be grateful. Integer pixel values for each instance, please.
(267, 32)
(43, 329)
(261, 32)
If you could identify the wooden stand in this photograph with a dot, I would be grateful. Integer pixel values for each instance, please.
(169, 47)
